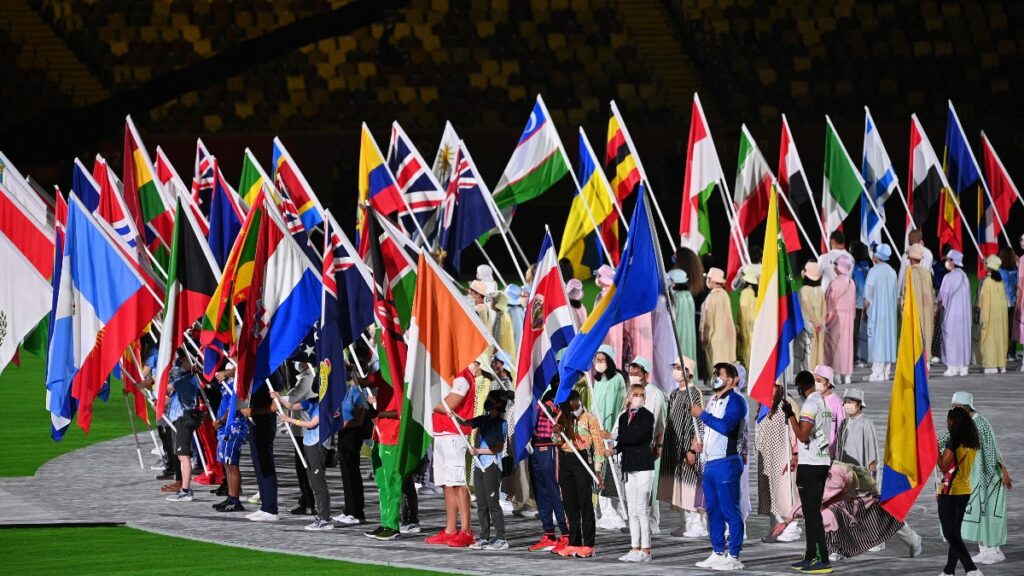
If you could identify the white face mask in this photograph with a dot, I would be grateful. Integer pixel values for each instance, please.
(577, 412)
(718, 383)
(820, 386)
(850, 409)
(636, 402)
(600, 366)
(677, 374)
(633, 379)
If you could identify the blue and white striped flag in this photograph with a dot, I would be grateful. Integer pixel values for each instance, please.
(879, 181)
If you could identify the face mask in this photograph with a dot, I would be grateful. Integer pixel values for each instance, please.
(636, 402)
(850, 409)
(718, 383)
(820, 386)
(600, 366)
(677, 374)
(634, 379)
(577, 412)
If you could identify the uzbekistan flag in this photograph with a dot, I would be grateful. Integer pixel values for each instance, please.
(537, 163)
(548, 328)
(910, 439)
(777, 319)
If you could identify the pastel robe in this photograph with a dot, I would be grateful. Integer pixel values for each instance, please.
(840, 311)
(614, 336)
(925, 296)
(993, 325)
(880, 299)
(1018, 315)
(985, 519)
(955, 300)
(580, 313)
(717, 330)
(745, 325)
(685, 322)
(812, 305)
(503, 333)
(638, 338)
(516, 313)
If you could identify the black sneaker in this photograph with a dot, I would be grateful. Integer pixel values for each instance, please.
(166, 475)
(799, 566)
(301, 510)
(220, 505)
(385, 534)
(818, 568)
(221, 490)
(373, 533)
(232, 507)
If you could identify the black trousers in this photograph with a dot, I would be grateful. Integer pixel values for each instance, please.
(951, 517)
(167, 443)
(261, 445)
(810, 483)
(410, 502)
(306, 499)
(349, 443)
(577, 491)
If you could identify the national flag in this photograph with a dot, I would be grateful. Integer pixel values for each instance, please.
(777, 318)
(963, 172)
(350, 279)
(86, 188)
(624, 165)
(590, 205)
(59, 421)
(422, 191)
(191, 281)
(793, 184)
(751, 196)
(880, 182)
(226, 215)
(282, 304)
(927, 178)
(142, 191)
(130, 364)
(547, 329)
(218, 323)
(444, 160)
(1000, 185)
(465, 214)
(112, 207)
(253, 180)
(634, 291)
(19, 187)
(537, 163)
(445, 336)
(26, 258)
(172, 183)
(843, 183)
(103, 305)
(910, 441)
(203, 177)
(377, 186)
(290, 181)
(703, 173)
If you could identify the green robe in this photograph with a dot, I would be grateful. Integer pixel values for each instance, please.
(985, 519)
(685, 321)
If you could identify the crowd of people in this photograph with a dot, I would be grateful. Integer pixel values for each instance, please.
(624, 447)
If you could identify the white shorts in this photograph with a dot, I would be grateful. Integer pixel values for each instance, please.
(449, 460)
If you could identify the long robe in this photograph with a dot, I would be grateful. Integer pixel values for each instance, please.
(880, 296)
(993, 324)
(638, 338)
(580, 313)
(841, 308)
(811, 349)
(925, 296)
(686, 322)
(609, 397)
(745, 325)
(775, 443)
(503, 334)
(678, 483)
(717, 330)
(1018, 315)
(955, 299)
(516, 313)
(985, 520)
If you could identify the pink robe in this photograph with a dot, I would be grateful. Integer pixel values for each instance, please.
(840, 311)
(1017, 327)
(639, 338)
(614, 337)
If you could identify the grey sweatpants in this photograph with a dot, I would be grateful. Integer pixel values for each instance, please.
(488, 508)
(317, 474)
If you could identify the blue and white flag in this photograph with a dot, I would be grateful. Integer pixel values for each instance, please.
(879, 180)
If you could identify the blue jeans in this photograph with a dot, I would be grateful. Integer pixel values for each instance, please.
(721, 485)
(545, 488)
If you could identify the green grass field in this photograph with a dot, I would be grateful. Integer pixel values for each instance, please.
(25, 442)
(120, 550)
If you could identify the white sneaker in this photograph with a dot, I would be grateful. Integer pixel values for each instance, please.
(975, 573)
(409, 529)
(878, 548)
(791, 533)
(345, 519)
(835, 557)
(642, 556)
(711, 561)
(612, 523)
(255, 498)
(261, 516)
(630, 556)
(917, 548)
(964, 370)
(991, 371)
(181, 496)
(506, 507)
(729, 564)
(989, 556)
(319, 525)
(696, 531)
(951, 371)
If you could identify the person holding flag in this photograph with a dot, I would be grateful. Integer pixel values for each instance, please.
(316, 455)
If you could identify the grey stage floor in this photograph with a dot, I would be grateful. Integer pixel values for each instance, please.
(103, 483)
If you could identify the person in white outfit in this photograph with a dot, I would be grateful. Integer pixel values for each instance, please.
(634, 443)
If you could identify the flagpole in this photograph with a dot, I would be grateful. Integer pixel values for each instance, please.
(734, 227)
(643, 173)
(797, 220)
(135, 434)
(910, 217)
(150, 400)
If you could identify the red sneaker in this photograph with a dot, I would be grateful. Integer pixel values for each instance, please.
(441, 537)
(566, 551)
(545, 544)
(584, 552)
(560, 544)
(461, 540)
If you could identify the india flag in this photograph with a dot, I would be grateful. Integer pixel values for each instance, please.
(703, 172)
(536, 164)
(777, 319)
